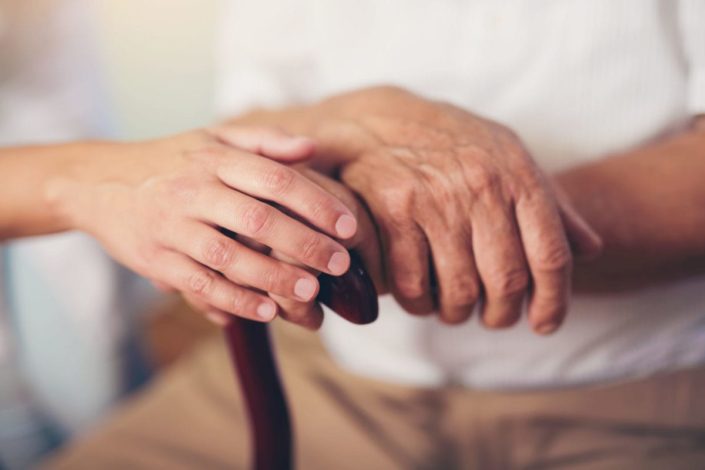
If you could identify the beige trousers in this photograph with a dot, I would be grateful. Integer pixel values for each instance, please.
(191, 418)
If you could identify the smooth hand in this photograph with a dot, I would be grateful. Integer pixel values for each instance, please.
(168, 209)
(365, 243)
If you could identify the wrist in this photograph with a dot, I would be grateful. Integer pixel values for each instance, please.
(345, 126)
(72, 191)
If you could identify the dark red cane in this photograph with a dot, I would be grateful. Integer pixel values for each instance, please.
(352, 296)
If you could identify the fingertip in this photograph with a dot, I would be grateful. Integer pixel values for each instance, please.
(500, 322)
(548, 328)
(306, 289)
(456, 317)
(346, 226)
(266, 311)
(339, 263)
(546, 321)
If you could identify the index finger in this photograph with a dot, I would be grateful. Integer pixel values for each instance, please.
(549, 258)
(366, 241)
(268, 180)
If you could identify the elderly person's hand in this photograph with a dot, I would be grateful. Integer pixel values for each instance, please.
(163, 208)
(464, 213)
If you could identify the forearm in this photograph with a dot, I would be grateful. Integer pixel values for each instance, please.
(27, 175)
(647, 205)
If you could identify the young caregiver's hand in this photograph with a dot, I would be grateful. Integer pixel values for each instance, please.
(162, 208)
(365, 243)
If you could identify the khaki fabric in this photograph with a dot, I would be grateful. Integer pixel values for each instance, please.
(191, 418)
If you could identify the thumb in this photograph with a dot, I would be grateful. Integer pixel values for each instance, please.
(266, 141)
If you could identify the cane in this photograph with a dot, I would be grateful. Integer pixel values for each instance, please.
(352, 296)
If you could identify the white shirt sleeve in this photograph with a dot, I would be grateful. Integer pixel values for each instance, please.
(264, 56)
(692, 30)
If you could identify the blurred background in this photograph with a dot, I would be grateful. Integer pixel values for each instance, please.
(151, 98)
(156, 65)
(156, 97)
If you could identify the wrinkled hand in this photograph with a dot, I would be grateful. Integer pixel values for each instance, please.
(464, 213)
(163, 208)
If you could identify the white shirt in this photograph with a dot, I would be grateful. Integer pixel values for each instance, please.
(577, 79)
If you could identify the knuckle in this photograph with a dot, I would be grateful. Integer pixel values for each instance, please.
(399, 202)
(206, 152)
(200, 282)
(411, 286)
(181, 188)
(482, 180)
(210, 158)
(256, 218)
(512, 144)
(554, 258)
(269, 279)
(218, 253)
(511, 140)
(510, 282)
(279, 179)
(147, 260)
(320, 207)
(464, 294)
(310, 248)
(243, 302)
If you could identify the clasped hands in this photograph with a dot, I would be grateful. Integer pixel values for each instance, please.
(447, 209)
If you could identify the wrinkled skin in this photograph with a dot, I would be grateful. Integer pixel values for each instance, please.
(465, 215)
(462, 217)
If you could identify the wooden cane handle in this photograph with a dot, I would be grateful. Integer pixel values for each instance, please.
(354, 297)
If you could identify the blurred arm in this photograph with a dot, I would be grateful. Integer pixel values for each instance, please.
(25, 173)
(648, 205)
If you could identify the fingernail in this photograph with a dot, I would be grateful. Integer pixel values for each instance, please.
(304, 289)
(218, 318)
(338, 263)
(266, 311)
(346, 226)
(547, 328)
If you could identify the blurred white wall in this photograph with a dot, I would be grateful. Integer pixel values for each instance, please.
(159, 63)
